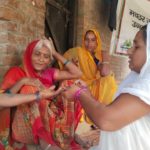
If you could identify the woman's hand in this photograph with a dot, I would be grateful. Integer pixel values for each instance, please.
(52, 47)
(75, 61)
(69, 93)
(104, 69)
(80, 83)
(50, 92)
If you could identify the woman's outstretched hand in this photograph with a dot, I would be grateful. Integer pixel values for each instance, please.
(50, 92)
(69, 93)
(104, 69)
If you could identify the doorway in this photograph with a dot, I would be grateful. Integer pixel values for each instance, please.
(60, 23)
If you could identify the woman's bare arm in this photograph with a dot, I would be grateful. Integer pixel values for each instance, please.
(104, 66)
(71, 70)
(125, 109)
(9, 100)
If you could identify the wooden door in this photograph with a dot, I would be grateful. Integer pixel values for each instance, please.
(60, 23)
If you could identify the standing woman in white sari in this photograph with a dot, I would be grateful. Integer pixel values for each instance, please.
(125, 123)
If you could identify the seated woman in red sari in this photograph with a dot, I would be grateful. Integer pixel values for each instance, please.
(48, 122)
(10, 100)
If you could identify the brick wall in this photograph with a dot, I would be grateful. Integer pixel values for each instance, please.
(20, 23)
(93, 14)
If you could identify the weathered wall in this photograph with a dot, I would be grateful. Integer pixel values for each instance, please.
(94, 14)
(20, 23)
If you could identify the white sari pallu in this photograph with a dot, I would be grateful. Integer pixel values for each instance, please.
(135, 136)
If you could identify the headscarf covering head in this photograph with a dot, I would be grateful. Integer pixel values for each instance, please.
(98, 54)
(27, 61)
(138, 84)
(146, 66)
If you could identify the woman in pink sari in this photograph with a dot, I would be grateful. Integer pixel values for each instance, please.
(51, 122)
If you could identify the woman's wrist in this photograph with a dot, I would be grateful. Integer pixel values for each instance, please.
(59, 57)
(79, 92)
(8, 91)
(54, 53)
(38, 96)
(23, 81)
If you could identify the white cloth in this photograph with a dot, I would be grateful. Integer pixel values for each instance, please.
(135, 136)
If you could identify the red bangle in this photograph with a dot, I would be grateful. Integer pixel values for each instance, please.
(78, 93)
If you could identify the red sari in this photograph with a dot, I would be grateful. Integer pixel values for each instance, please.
(53, 120)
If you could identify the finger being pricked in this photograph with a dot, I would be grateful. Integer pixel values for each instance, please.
(59, 91)
(54, 93)
(70, 92)
(80, 83)
(50, 92)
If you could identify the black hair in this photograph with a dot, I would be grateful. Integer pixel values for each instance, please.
(88, 31)
(144, 32)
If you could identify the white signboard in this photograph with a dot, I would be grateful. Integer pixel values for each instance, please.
(136, 14)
